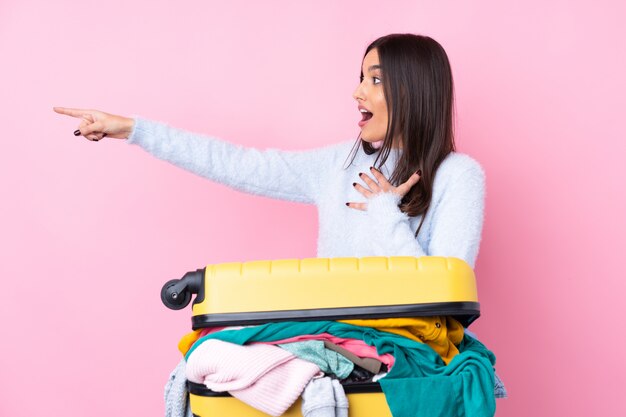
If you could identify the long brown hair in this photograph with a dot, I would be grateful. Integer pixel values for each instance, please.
(419, 91)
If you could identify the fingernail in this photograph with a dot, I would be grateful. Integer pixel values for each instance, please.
(360, 173)
(353, 184)
(76, 132)
(347, 204)
(419, 172)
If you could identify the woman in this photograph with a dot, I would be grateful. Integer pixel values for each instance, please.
(405, 191)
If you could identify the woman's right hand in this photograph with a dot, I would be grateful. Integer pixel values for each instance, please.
(95, 125)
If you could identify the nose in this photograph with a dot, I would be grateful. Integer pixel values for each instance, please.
(358, 93)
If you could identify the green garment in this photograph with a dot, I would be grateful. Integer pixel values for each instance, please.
(329, 361)
(419, 383)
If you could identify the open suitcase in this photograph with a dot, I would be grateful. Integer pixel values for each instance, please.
(250, 293)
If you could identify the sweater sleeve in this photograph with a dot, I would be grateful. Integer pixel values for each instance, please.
(286, 175)
(456, 227)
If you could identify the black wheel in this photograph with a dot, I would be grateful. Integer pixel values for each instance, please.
(173, 300)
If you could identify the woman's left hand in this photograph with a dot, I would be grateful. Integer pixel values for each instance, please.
(381, 185)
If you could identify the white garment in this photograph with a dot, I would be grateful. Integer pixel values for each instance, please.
(452, 226)
(176, 395)
(324, 397)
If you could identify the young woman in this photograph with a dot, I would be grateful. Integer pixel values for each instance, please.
(405, 191)
(400, 189)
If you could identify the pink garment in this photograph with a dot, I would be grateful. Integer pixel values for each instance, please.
(266, 377)
(209, 330)
(356, 346)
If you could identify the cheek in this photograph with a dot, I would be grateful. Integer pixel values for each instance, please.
(381, 117)
(381, 107)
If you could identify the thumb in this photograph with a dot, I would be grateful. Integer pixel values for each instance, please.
(414, 179)
(408, 184)
(97, 127)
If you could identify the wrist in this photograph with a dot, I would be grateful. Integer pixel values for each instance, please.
(384, 200)
(129, 125)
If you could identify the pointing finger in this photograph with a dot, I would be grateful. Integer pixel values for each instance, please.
(71, 112)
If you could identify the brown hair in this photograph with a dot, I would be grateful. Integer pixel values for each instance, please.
(419, 91)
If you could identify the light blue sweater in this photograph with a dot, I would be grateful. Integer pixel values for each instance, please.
(452, 226)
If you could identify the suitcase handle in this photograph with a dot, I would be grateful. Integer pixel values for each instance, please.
(176, 293)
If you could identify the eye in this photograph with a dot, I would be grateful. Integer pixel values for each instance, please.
(376, 80)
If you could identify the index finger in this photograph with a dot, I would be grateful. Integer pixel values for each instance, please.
(71, 112)
(379, 176)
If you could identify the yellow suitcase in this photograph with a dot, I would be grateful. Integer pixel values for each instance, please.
(257, 292)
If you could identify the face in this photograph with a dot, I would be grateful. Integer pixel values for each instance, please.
(370, 97)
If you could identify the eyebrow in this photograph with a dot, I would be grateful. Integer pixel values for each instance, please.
(373, 67)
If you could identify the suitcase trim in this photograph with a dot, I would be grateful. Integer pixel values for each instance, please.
(350, 388)
(464, 311)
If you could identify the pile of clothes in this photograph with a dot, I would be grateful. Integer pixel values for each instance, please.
(425, 366)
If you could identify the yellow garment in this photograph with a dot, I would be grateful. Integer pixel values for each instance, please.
(188, 340)
(442, 333)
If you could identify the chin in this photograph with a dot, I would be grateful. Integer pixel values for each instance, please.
(370, 139)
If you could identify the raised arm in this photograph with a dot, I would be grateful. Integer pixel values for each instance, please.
(287, 175)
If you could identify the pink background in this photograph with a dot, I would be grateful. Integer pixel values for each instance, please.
(90, 231)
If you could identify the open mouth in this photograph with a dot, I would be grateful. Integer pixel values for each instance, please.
(366, 116)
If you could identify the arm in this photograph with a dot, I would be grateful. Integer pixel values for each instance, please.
(457, 221)
(285, 175)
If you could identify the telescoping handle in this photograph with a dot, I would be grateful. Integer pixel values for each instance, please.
(176, 293)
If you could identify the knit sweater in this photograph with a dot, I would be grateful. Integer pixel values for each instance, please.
(321, 176)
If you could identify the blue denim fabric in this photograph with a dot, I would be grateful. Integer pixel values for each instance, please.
(176, 395)
(499, 388)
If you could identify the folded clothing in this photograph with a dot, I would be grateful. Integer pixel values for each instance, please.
(266, 377)
(189, 339)
(356, 346)
(176, 394)
(442, 333)
(417, 371)
(329, 361)
(370, 364)
(324, 397)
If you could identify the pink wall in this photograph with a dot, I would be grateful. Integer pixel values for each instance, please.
(90, 231)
